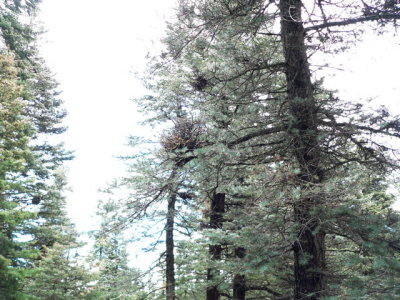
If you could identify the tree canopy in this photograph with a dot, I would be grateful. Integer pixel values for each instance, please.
(260, 182)
(280, 171)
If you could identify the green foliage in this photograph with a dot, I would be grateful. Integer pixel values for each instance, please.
(52, 224)
(114, 278)
(271, 155)
(29, 184)
(58, 272)
(14, 152)
(59, 275)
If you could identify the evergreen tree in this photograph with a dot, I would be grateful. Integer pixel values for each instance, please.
(59, 275)
(15, 132)
(52, 224)
(115, 279)
(159, 192)
(30, 111)
(292, 160)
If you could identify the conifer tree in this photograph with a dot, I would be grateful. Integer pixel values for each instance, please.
(52, 224)
(115, 279)
(57, 272)
(58, 275)
(15, 132)
(30, 111)
(158, 179)
(296, 158)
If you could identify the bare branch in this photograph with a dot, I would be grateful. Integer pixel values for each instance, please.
(375, 17)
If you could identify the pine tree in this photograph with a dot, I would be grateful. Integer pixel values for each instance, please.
(115, 278)
(158, 192)
(292, 158)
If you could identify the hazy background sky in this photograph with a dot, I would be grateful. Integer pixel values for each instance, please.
(95, 46)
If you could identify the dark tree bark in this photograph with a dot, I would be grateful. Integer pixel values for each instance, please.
(309, 248)
(217, 210)
(183, 135)
(170, 257)
(239, 280)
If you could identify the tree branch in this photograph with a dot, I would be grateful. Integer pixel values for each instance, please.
(383, 131)
(265, 131)
(263, 288)
(375, 17)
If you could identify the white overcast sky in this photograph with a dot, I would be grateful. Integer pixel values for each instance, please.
(95, 46)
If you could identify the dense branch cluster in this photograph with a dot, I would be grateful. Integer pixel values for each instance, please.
(184, 135)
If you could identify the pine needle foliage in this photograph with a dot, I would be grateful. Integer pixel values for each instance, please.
(304, 174)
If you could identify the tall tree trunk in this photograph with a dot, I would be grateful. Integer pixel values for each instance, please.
(239, 280)
(169, 241)
(217, 210)
(309, 249)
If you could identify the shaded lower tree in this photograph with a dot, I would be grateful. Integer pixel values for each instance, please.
(58, 275)
(114, 278)
(57, 272)
(178, 143)
(52, 225)
(216, 215)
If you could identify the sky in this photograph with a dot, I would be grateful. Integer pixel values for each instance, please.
(95, 47)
